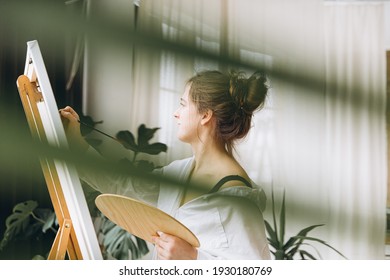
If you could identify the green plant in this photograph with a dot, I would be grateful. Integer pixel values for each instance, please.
(28, 221)
(118, 243)
(141, 145)
(293, 246)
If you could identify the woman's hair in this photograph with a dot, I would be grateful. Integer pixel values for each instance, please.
(232, 98)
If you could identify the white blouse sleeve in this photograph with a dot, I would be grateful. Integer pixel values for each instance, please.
(106, 182)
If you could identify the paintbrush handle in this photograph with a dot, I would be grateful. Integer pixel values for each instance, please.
(91, 127)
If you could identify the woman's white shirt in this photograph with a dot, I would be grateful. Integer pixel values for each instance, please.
(227, 226)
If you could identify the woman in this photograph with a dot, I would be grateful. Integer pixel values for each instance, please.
(215, 110)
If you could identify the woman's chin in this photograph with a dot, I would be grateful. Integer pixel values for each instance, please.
(182, 138)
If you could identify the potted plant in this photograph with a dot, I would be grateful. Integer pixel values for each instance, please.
(290, 249)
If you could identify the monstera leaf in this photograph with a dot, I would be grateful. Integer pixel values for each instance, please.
(120, 244)
(142, 144)
(27, 221)
(18, 222)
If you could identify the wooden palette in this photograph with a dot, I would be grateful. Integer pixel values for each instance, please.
(141, 219)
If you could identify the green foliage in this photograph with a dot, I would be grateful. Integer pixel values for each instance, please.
(142, 145)
(90, 124)
(288, 250)
(120, 244)
(117, 242)
(87, 128)
(27, 221)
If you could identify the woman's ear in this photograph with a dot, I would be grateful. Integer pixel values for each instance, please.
(206, 117)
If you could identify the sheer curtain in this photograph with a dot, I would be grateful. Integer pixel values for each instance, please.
(328, 148)
(192, 23)
(108, 73)
(321, 136)
(289, 136)
(355, 128)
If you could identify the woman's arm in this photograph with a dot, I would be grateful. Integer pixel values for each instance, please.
(114, 183)
(104, 182)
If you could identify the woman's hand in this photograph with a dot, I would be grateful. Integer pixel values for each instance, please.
(70, 120)
(170, 247)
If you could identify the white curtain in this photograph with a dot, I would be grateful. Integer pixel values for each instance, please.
(321, 136)
(192, 23)
(355, 128)
(108, 73)
(291, 33)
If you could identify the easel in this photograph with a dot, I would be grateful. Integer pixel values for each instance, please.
(76, 234)
(65, 238)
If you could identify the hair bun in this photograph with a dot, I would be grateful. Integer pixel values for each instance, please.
(248, 93)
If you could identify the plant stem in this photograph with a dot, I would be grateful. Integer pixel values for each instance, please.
(134, 156)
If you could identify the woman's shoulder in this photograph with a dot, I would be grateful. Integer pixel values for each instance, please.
(178, 166)
(233, 174)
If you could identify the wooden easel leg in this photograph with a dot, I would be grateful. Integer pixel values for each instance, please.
(58, 249)
(72, 253)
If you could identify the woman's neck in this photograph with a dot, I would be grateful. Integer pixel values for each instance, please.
(207, 154)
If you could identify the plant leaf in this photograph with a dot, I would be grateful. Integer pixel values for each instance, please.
(90, 124)
(293, 249)
(322, 242)
(111, 235)
(274, 215)
(290, 242)
(304, 253)
(38, 257)
(118, 242)
(282, 220)
(295, 242)
(145, 134)
(18, 221)
(50, 220)
(273, 238)
(311, 245)
(130, 247)
(126, 138)
(142, 247)
(306, 230)
(153, 149)
(294, 239)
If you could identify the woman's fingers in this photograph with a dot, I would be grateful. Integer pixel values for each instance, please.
(161, 240)
(172, 247)
(72, 112)
(69, 114)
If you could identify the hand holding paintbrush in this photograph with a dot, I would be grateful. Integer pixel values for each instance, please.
(71, 122)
